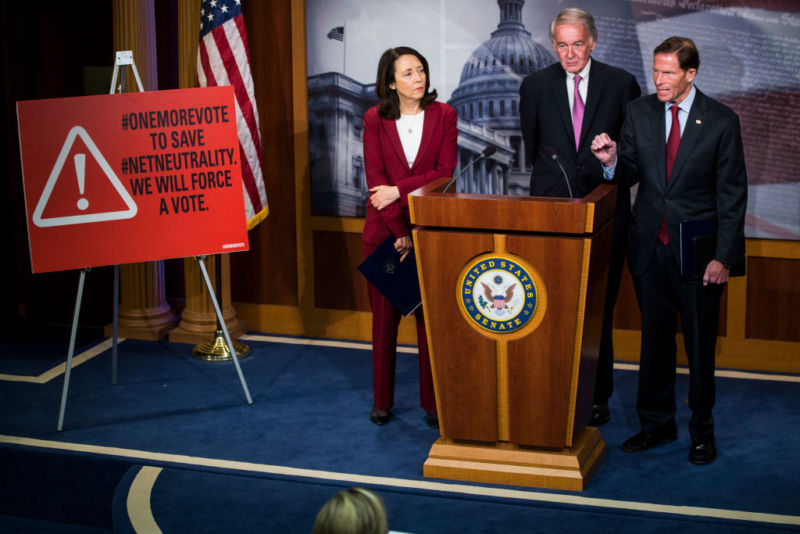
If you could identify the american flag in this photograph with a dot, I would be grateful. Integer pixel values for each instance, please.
(223, 58)
(337, 33)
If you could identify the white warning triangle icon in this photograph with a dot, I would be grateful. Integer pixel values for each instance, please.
(129, 213)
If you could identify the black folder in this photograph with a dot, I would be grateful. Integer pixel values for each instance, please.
(397, 281)
(698, 246)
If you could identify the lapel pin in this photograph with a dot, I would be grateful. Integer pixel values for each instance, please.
(698, 121)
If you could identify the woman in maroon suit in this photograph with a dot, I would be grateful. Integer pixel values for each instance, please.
(409, 140)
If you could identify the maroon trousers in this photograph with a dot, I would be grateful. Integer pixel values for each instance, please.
(385, 321)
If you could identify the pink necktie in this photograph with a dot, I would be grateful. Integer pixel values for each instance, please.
(673, 141)
(577, 112)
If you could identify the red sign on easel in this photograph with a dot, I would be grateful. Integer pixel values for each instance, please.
(132, 177)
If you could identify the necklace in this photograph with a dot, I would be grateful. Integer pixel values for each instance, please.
(410, 123)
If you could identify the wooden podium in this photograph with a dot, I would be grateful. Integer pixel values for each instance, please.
(513, 291)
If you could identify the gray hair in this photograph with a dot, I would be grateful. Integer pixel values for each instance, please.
(574, 15)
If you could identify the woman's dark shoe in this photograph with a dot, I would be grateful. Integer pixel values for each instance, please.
(432, 419)
(379, 417)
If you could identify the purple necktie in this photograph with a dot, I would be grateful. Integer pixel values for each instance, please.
(577, 112)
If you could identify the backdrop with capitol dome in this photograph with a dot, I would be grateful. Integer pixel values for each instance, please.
(748, 61)
(478, 56)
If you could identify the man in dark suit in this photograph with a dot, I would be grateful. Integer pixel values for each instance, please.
(684, 150)
(562, 108)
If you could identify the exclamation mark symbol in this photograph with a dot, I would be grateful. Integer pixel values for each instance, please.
(80, 172)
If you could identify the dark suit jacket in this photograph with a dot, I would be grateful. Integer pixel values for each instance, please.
(708, 181)
(385, 164)
(547, 122)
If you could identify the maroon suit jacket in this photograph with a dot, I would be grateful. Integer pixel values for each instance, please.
(385, 164)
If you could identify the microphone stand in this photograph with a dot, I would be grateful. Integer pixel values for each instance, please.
(554, 156)
(488, 151)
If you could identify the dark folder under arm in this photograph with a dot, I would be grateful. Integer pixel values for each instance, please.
(698, 246)
(397, 281)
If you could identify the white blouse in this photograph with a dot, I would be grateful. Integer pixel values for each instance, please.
(409, 128)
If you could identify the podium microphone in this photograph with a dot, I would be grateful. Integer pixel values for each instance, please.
(488, 151)
(550, 151)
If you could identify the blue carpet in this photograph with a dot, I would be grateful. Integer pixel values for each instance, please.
(78, 488)
(18, 525)
(31, 350)
(225, 503)
(310, 411)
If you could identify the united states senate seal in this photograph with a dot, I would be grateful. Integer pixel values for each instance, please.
(500, 294)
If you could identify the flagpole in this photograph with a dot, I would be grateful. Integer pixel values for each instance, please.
(344, 48)
(224, 59)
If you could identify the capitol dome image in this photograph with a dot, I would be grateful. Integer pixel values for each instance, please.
(487, 98)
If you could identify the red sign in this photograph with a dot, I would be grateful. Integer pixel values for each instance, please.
(132, 177)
